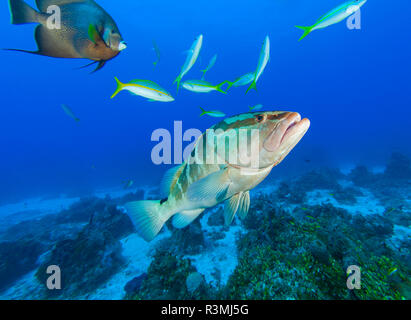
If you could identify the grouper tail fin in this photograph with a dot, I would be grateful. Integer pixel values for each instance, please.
(22, 13)
(307, 31)
(120, 87)
(148, 217)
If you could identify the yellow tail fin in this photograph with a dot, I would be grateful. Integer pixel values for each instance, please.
(120, 87)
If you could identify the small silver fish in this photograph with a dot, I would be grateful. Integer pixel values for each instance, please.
(209, 67)
(144, 88)
(214, 113)
(70, 113)
(191, 59)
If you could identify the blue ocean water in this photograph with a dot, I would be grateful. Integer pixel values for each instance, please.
(352, 84)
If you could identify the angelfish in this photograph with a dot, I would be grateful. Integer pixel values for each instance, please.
(192, 56)
(215, 173)
(87, 31)
(334, 16)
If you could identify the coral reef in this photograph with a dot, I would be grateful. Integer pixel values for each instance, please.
(171, 277)
(304, 254)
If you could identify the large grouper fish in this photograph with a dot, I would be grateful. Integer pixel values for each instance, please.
(85, 30)
(228, 161)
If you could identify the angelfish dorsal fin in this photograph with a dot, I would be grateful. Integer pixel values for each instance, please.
(42, 5)
(170, 178)
(231, 207)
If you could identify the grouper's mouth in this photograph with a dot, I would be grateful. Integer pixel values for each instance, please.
(288, 133)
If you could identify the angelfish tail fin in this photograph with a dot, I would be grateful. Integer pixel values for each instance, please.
(146, 217)
(120, 87)
(307, 31)
(22, 13)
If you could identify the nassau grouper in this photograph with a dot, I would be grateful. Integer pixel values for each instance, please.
(85, 30)
(228, 161)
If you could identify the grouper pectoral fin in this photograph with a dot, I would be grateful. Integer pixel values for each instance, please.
(169, 179)
(231, 208)
(183, 219)
(213, 187)
(244, 205)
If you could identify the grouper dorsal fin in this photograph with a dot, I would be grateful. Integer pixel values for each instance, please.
(169, 180)
(42, 5)
(213, 187)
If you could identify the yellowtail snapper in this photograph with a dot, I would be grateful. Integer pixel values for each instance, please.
(191, 59)
(262, 63)
(158, 54)
(334, 16)
(209, 67)
(70, 113)
(201, 86)
(242, 81)
(144, 88)
(256, 107)
(214, 113)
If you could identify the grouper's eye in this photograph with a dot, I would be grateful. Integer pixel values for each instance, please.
(260, 118)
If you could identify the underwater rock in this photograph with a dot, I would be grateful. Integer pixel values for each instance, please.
(133, 286)
(194, 282)
(16, 259)
(398, 167)
(362, 177)
(166, 277)
(291, 194)
(319, 251)
(324, 178)
(216, 219)
(347, 196)
(189, 240)
(86, 262)
(133, 196)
